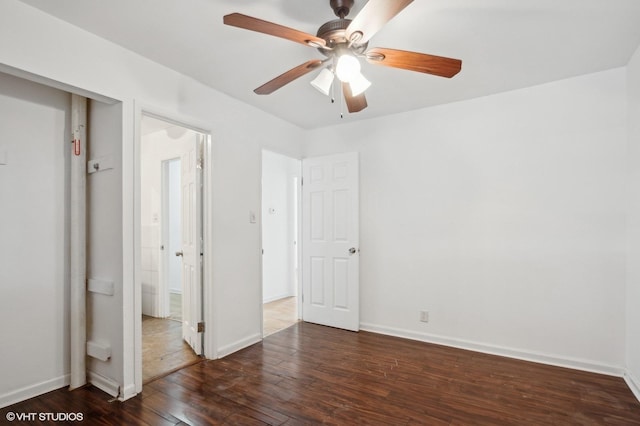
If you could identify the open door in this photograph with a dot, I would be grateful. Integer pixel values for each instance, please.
(330, 241)
(191, 252)
(171, 232)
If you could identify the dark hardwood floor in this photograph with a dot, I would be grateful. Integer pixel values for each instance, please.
(309, 374)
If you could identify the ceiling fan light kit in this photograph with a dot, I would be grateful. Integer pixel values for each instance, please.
(359, 84)
(323, 81)
(344, 41)
(347, 67)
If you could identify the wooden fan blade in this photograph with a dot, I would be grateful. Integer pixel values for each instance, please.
(413, 61)
(354, 103)
(288, 77)
(254, 24)
(372, 17)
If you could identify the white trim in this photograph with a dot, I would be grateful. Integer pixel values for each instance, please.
(278, 297)
(261, 234)
(240, 344)
(136, 349)
(131, 290)
(128, 392)
(210, 346)
(103, 383)
(633, 383)
(567, 362)
(45, 81)
(37, 389)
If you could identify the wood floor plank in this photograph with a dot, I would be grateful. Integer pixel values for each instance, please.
(310, 374)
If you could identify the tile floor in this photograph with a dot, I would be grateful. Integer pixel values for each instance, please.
(279, 314)
(163, 349)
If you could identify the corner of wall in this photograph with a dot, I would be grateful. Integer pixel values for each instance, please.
(632, 332)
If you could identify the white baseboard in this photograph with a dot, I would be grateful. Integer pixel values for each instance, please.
(574, 363)
(274, 298)
(128, 392)
(37, 389)
(240, 344)
(103, 383)
(633, 383)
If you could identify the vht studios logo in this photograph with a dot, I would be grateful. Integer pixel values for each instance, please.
(45, 417)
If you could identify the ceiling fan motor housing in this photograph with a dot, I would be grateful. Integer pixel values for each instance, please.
(333, 33)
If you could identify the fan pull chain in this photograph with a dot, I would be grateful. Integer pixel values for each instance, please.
(333, 92)
(341, 100)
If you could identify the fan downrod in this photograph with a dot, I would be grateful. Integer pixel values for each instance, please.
(341, 7)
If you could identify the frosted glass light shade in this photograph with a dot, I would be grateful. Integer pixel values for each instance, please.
(359, 84)
(323, 81)
(347, 68)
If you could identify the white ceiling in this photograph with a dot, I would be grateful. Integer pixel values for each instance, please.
(504, 45)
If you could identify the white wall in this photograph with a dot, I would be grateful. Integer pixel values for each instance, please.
(34, 243)
(633, 270)
(278, 225)
(502, 216)
(239, 133)
(105, 248)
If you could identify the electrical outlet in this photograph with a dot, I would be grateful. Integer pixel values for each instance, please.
(424, 316)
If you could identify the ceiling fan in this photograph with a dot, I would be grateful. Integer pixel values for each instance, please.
(342, 41)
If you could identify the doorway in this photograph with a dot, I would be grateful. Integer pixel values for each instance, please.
(280, 241)
(171, 241)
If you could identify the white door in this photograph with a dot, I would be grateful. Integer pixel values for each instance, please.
(330, 241)
(191, 245)
(171, 230)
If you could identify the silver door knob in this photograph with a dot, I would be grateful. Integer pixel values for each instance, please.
(179, 253)
(352, 250)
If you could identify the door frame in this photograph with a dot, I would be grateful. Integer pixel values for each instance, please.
(209, 346)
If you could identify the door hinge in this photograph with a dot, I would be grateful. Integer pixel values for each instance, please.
(301, 181)
(200, 327)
